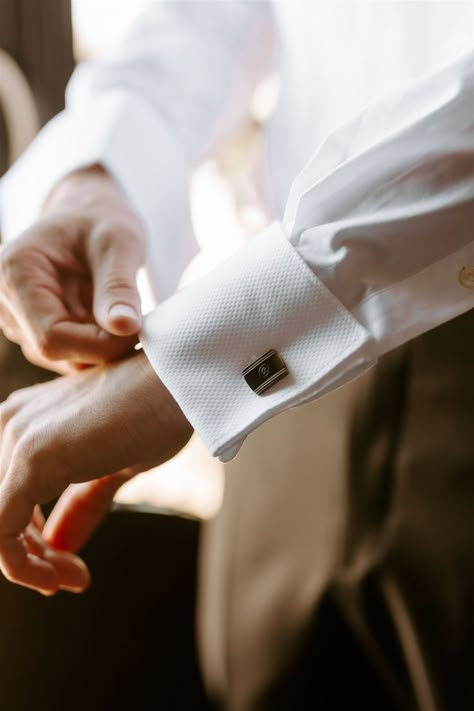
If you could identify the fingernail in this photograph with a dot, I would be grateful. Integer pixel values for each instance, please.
(123, 311)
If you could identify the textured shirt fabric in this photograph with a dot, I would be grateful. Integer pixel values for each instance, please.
(370, 173)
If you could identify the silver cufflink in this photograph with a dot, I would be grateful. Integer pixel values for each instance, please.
(265, 372)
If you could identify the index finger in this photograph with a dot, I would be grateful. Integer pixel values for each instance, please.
(38, 300)
(25, 557)
(16, 563)
(58, 335)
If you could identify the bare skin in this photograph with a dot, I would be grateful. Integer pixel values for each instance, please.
(68, 293)
(68, 296)
(78, 437)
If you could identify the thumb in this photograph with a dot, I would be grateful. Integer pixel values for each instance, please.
(115, 264)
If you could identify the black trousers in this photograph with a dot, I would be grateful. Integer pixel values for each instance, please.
(395, 626)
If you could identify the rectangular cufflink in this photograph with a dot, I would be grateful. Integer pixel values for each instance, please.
(265, 372)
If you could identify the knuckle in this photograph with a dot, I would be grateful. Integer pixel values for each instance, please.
(47, 345)
(106, 238)
(133, 233)
(32, 458)
(11, 432)
(31, 355)
(8, 410)
(10, 405)
(10, 333)
(26, 449)
(9, 572)
(5, 416)
(9, 262)
(113, 235)
(118, 283)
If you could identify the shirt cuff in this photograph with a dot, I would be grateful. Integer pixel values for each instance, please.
(122, 133)
(264, 297)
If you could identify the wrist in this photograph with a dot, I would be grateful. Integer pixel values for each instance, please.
(153, 387)
(161, 408)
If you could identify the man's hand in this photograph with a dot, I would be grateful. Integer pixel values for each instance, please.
(68, 292)
(114, 420)
(80, 510)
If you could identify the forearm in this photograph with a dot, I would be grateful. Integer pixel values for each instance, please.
(377, 230)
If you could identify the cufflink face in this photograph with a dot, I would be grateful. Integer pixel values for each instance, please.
(265, 372)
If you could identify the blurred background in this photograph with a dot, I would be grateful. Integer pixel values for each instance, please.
(40, 42)
(210, 572)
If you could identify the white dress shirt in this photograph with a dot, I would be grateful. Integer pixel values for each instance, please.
(373, 139)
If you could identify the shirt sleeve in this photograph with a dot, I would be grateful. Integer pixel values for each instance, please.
(147, 113)
(376, 247)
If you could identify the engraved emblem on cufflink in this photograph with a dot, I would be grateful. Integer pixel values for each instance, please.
(265, 372)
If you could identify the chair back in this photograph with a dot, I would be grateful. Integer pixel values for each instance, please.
(18, 107)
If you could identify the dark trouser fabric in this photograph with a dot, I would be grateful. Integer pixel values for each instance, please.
(395, 628)
(128, 643)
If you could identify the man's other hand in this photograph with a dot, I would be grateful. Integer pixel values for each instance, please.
(68, 292)
(114, 420)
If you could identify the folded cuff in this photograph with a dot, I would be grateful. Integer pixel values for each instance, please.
(263, 298)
